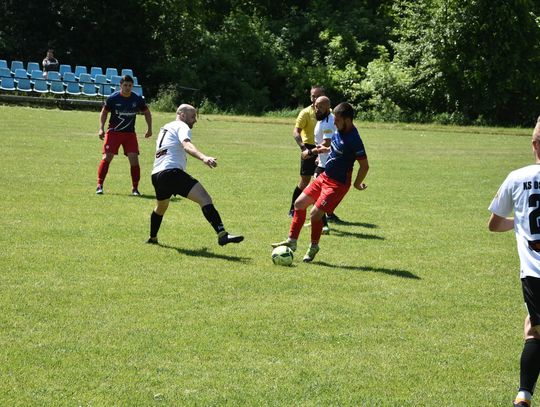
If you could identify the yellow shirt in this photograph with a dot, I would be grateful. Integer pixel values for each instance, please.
(307, 121)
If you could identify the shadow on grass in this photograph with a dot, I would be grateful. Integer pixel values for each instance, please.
(347, 223)
(391, 272)
(203, 252)
(337, 232)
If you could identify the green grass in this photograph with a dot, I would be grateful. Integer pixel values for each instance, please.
(413, 302)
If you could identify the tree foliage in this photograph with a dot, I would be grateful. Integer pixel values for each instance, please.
(459, 61)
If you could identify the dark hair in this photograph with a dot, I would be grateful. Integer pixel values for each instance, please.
(344, 110)
(126, 78)
(319, 87)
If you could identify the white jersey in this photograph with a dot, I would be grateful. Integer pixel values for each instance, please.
(324, 130)
(169, 150)
(520, 192)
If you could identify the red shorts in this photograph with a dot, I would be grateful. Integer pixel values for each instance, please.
(326, 192)
(115, 139)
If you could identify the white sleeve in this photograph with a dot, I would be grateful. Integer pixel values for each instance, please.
(502, 205)
(183, 133)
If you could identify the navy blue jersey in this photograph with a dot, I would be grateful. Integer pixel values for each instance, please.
(124, 110)
(345, 150)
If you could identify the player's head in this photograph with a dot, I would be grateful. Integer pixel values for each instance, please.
(50, 53)
(126, 85)
(343, 117)
(315, 92)
(187, 114)
(322, 107)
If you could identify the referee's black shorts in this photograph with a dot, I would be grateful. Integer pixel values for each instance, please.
(307, 167)
(172, 182)
(531, 295)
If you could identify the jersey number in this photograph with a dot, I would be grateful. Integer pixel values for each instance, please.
(162, 134)
(534, 216)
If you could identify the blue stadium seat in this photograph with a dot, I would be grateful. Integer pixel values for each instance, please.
(32, 66)
(64, 68)
(36, 74)
(7, 83)
(138, 90)
(16, 65)
(100, 79)
(89, 89)
(79, 69)
(41, 85)
(126, 71)
(105, 89)
(115, 79)
(72, 87)
(53, 76)
(95, 70)
(23, 84)
(3, 63)
(69, 77)
(5, 72)
(21, 73)
(110, 72)
(57, 87)
(135, 80)
(85, 78)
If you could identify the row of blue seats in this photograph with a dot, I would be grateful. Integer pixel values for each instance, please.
(66, 77)
(64, 68)
(59, 87)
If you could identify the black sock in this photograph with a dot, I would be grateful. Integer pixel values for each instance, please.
(530, 365)
(155, 223)
(295, 195)
(212, 215)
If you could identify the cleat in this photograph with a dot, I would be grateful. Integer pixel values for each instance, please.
(152, 240)
(325, 230)
(225, 238)
(99, 190)
(289, 243)
(333, 218)
(291, 213)
(135, 192)
(522, 403)
(310, 254)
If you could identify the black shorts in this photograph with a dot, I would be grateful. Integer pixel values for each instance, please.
(531, 295)
(318, 171)
(307, 167)
(172, 182)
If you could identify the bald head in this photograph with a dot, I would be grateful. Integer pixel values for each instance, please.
(322, 107)
(187, 114)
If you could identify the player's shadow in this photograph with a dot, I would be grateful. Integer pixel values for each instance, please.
(391, 272)
(347, 223)
(337, 232)
(203, 252)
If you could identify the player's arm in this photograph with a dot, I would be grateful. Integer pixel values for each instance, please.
(148, 118)
(297, 134)
(190, 148)
(500, 224)
(361, 175)
(102, 121)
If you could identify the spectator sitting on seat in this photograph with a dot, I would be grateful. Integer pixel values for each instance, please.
(50, 63)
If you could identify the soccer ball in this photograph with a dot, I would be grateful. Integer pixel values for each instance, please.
(282, 256)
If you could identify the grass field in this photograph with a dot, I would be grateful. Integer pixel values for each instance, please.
(411, 302)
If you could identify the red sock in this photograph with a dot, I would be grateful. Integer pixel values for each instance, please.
(135, 175)
(316, 231)
(297, 223)
(102, 171)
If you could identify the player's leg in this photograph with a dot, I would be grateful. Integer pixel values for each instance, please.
(131, 149)
(155, 219)
(307, 170)
(198, 194)
(306, 198)
(530, 356)
(103, 169)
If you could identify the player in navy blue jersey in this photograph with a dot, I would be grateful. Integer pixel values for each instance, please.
(123, 106)
(328, 189)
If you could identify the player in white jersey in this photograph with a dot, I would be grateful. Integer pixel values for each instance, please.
(169, 176)
(520, 193)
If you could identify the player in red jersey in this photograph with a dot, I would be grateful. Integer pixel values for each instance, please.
(123, 106)
(328, 189)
